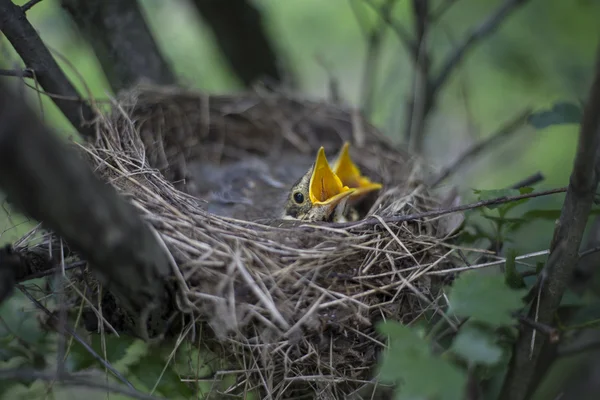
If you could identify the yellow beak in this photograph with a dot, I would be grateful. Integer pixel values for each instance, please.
(325, 187)
(350, 174)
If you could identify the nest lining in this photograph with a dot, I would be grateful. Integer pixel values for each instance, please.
(295, 304)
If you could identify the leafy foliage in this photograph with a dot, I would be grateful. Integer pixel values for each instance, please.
(410, 361)
(477, 345)
(487, 302)
(561, 113)
(485, 298)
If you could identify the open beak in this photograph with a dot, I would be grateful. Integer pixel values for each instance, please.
(325, 188)
(350, 174)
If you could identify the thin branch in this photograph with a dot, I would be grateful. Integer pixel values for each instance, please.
(564, 249)
(37, 57)
(42, 274)
(550, 332)
(79, 379)
(484, 30)
(589, 252)
(441, 10)
(436, 213)
(509, 128)
(27, 6)
(25, 73)
(64, 328)
(578, 347)
(405, 38)
(529, 181)
(122, 41)
(421, 100)
(47, 181)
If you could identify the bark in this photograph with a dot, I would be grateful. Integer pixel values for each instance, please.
(49, 182)
(564, 249)
(29, 46)
(122, 41)
(241, 35)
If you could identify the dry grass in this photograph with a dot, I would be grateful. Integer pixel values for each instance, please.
(293, 305)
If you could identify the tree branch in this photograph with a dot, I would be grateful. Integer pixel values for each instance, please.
(505, 131)
(50, 183)
(25, 73)
(27, 6)
(436, 213)
(82, 379)
(240, 33)
(488, 27)
(564, 249)
(122, 41)
(36, 56)
(529, 181)
(405, 38)
(421, 101)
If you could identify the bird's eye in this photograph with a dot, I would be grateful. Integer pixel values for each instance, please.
(298, 197)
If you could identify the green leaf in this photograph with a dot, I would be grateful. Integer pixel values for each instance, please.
(561, 113)
(149, 370)
(511, 275)
(116, 349)
(485, 297)
(410, 361)
(477, 346)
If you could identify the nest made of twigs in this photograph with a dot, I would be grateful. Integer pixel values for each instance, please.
(294, 304)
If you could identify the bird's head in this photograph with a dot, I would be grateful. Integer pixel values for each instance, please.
(317, 194)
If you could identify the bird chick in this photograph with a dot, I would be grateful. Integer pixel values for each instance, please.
(319, 195)
(350, 176)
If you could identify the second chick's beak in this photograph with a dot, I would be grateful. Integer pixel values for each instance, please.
(318, 193)
(350, 176)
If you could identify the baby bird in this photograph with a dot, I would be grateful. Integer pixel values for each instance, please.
(350, 176)
(319, 195)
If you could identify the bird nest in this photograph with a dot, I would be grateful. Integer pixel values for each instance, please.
(293, 304)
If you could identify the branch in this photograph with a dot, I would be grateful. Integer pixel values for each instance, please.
(240, 33)
(421, 100)
(373, 220)
(78, 379)
(27, 6)
(25, 73)
(374, 41)
(529, 181)
(122, 41)
(550, 332)
(441, 10)
(53, 321)
(485, 29)
(507, 130)
(36, 56)
(407, 41)
(564, 249)
(50, 183)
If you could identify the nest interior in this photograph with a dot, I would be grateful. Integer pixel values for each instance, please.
(293, 304)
